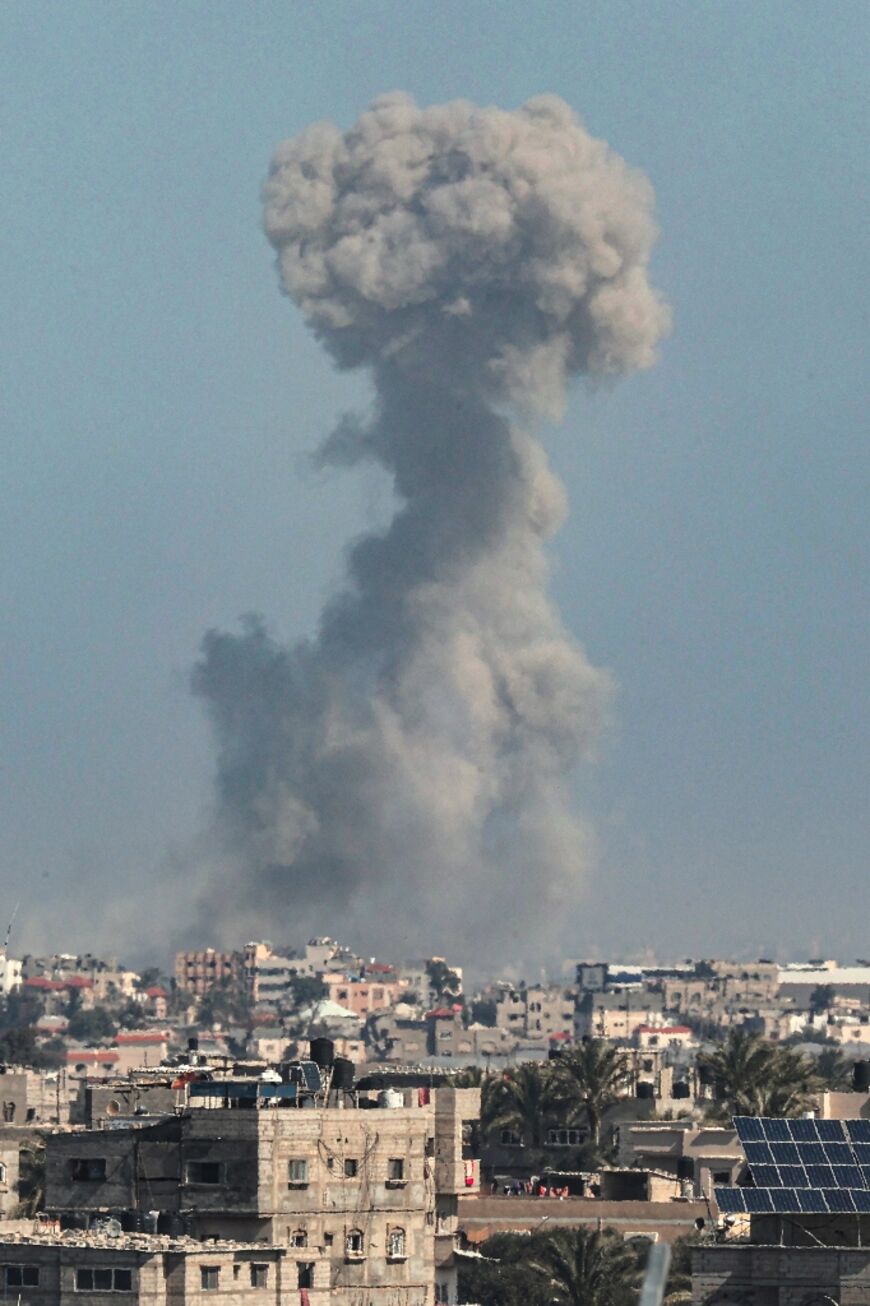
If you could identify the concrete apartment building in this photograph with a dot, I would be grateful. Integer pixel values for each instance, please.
(535, 1013)
(363, 1194)
(616, 1015)
(76, 1269)
(362, 996)
(199, 970)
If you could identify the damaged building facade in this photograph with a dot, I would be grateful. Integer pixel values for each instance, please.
(359, 1189)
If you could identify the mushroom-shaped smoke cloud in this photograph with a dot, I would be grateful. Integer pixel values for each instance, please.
(408, 772)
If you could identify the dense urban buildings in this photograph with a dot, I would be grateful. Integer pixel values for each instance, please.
(312, 1125)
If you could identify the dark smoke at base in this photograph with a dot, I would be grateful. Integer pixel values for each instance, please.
(405, 777)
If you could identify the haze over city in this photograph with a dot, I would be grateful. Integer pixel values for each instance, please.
(161, 403)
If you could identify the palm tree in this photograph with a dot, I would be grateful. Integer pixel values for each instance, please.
(834, 1070)
(589, 1078)
(519, 1101)
(754, 1077)
(587, 1267)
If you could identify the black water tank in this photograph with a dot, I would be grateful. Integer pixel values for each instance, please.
(645, 1089)
(681, 1089)
(861, 1076)
(342, 1074)
(193, 1044)
(322, 1052)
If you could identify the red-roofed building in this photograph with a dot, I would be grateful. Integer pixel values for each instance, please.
(155, 1000)
(664, 1036)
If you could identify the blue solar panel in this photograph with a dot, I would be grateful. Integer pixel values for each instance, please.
(830, 1131)
(858, 1130)
(804, 1131)
(820, 1176)
(785, 1153)
(758, 1200)
(862, 1200)
(729, 1199)
(865, 1171)
(776, 1130)
(810, 1201)
(749, 1129)
(766, 1176)
(783, 1199)
(790, 1176)
(758, 1153)
(812, 1153)
(862, 1152)
(848, 1176)
(839, 1199)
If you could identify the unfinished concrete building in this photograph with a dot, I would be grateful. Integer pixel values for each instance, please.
(360, 1187)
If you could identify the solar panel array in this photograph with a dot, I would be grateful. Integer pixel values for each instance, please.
(802, 1167)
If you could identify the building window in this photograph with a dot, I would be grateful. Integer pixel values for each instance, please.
(259, 1276)
(8, 1112)
(563, 1137)
(510, 1138)
(204, 1172)
(328, 1239)
(297, 1173)
(103, 1280)
(2, 1173)
(354, 1245)
(442, 1294)
(396, 1245)
(299, 1238)
(304, 1274)
(22, 1276)
(87, 1169)
(351, 1168)
(395, 1170)
(210, 1277)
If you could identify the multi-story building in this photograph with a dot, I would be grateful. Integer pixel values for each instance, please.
(198, 971)
(362, 996)
(57, 1269)
(537, 1012)
(616, 1015)
(363, 1191)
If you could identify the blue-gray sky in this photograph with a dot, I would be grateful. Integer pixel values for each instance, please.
(159, 395)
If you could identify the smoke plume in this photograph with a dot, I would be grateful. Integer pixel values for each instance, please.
(405, 777)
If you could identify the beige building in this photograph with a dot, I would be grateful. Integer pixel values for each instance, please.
(536, 1013)
(617, 1015)
(364, 1197)
(73, 1269)
(362, 996)
(198, 971)
(699, 1157)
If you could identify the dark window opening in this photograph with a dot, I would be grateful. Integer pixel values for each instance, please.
(351, 1168)
(304, 1274)
(210, 1277)
(204, 1172)
(87, 1169)
(22, 1276)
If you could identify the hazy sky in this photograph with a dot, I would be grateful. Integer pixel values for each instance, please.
(159, 396)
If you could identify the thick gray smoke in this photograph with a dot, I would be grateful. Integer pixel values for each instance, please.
(405, 778)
